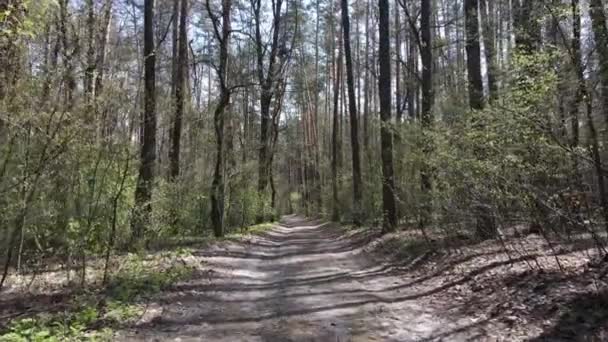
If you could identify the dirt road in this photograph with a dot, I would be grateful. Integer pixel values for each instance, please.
(301, 281)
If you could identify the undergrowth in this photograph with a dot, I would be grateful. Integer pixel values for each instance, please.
(91, 316)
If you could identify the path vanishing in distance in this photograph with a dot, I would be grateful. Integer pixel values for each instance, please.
(300, 281)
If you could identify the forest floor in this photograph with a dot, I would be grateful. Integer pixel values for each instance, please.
(305, 280)
(312, 281)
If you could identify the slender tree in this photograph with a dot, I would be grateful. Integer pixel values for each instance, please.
(352, 109)
(398, 106)
(386, 136)
(487, 15)
(143, 189)
(426, 52)
(267, 77)
(473, 54)
(598, 21)
(90, 69)
(425, 43)
(335, 137)
(222, 35)
(179, 87)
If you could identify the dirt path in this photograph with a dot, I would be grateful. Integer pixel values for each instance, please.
(301, 281)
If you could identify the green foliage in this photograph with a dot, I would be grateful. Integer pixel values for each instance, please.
(501, 157)
(25, 18)
(86, 319)
(138, 279)
(59, 327)
(260, 228)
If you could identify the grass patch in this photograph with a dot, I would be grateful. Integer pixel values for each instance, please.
(91, 316)
(260, 228)
(140, 279)
(255, 229)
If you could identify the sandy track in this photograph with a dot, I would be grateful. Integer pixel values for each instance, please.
(301, 281)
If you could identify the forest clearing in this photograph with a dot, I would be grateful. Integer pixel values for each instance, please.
(303, 170)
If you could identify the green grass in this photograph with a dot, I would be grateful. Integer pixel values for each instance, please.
(93, 315)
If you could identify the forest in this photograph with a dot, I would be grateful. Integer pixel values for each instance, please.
(303, 170)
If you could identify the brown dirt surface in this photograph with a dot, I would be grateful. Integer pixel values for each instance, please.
(311, 281)
(306, 280)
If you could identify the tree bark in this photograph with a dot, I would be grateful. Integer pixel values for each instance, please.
(91, 67)
(598, 21)
(335, 142)
(487, 14)
(473, 55)
(352, 109)
(217, 185)
(426, 51)
(389, 217)
(145, 179)
(267, 81)
(398, 107)
(180, 79)
(366, 94)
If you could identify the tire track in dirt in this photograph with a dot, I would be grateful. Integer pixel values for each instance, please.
(301, 281)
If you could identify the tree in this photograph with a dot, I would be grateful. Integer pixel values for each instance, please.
(90, 70)
(335, 142)
(598, 21)
(398, 61)
(473, 54)
(386, 135)
(426, 52)
(222, 35)
(181, 73)
(352, 109)
(583, 94)
(145, 179)
(267, 74)
(487, 15)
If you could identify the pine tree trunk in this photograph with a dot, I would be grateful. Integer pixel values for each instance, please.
(426, 51)
(366, 95)
(180, 79)
(352, 109)
(143, 190)
(335, 133)
(217, 185)
(487, 13)
(598, 20)
(386, 136)
(398, 107)
(473, 55)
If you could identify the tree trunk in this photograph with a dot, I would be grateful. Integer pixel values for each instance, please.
(352, 109)
(487, 14)
(389, 217)
(180, 79)
(366, 95)
(335, 133)
(598, 20)
(579, 95)
(217, 185)
(583, 94)
(143, 189)
(398, 106)
(267, 81)
(426, 51)
(107, 124)
(90, 69)
(473, 55)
